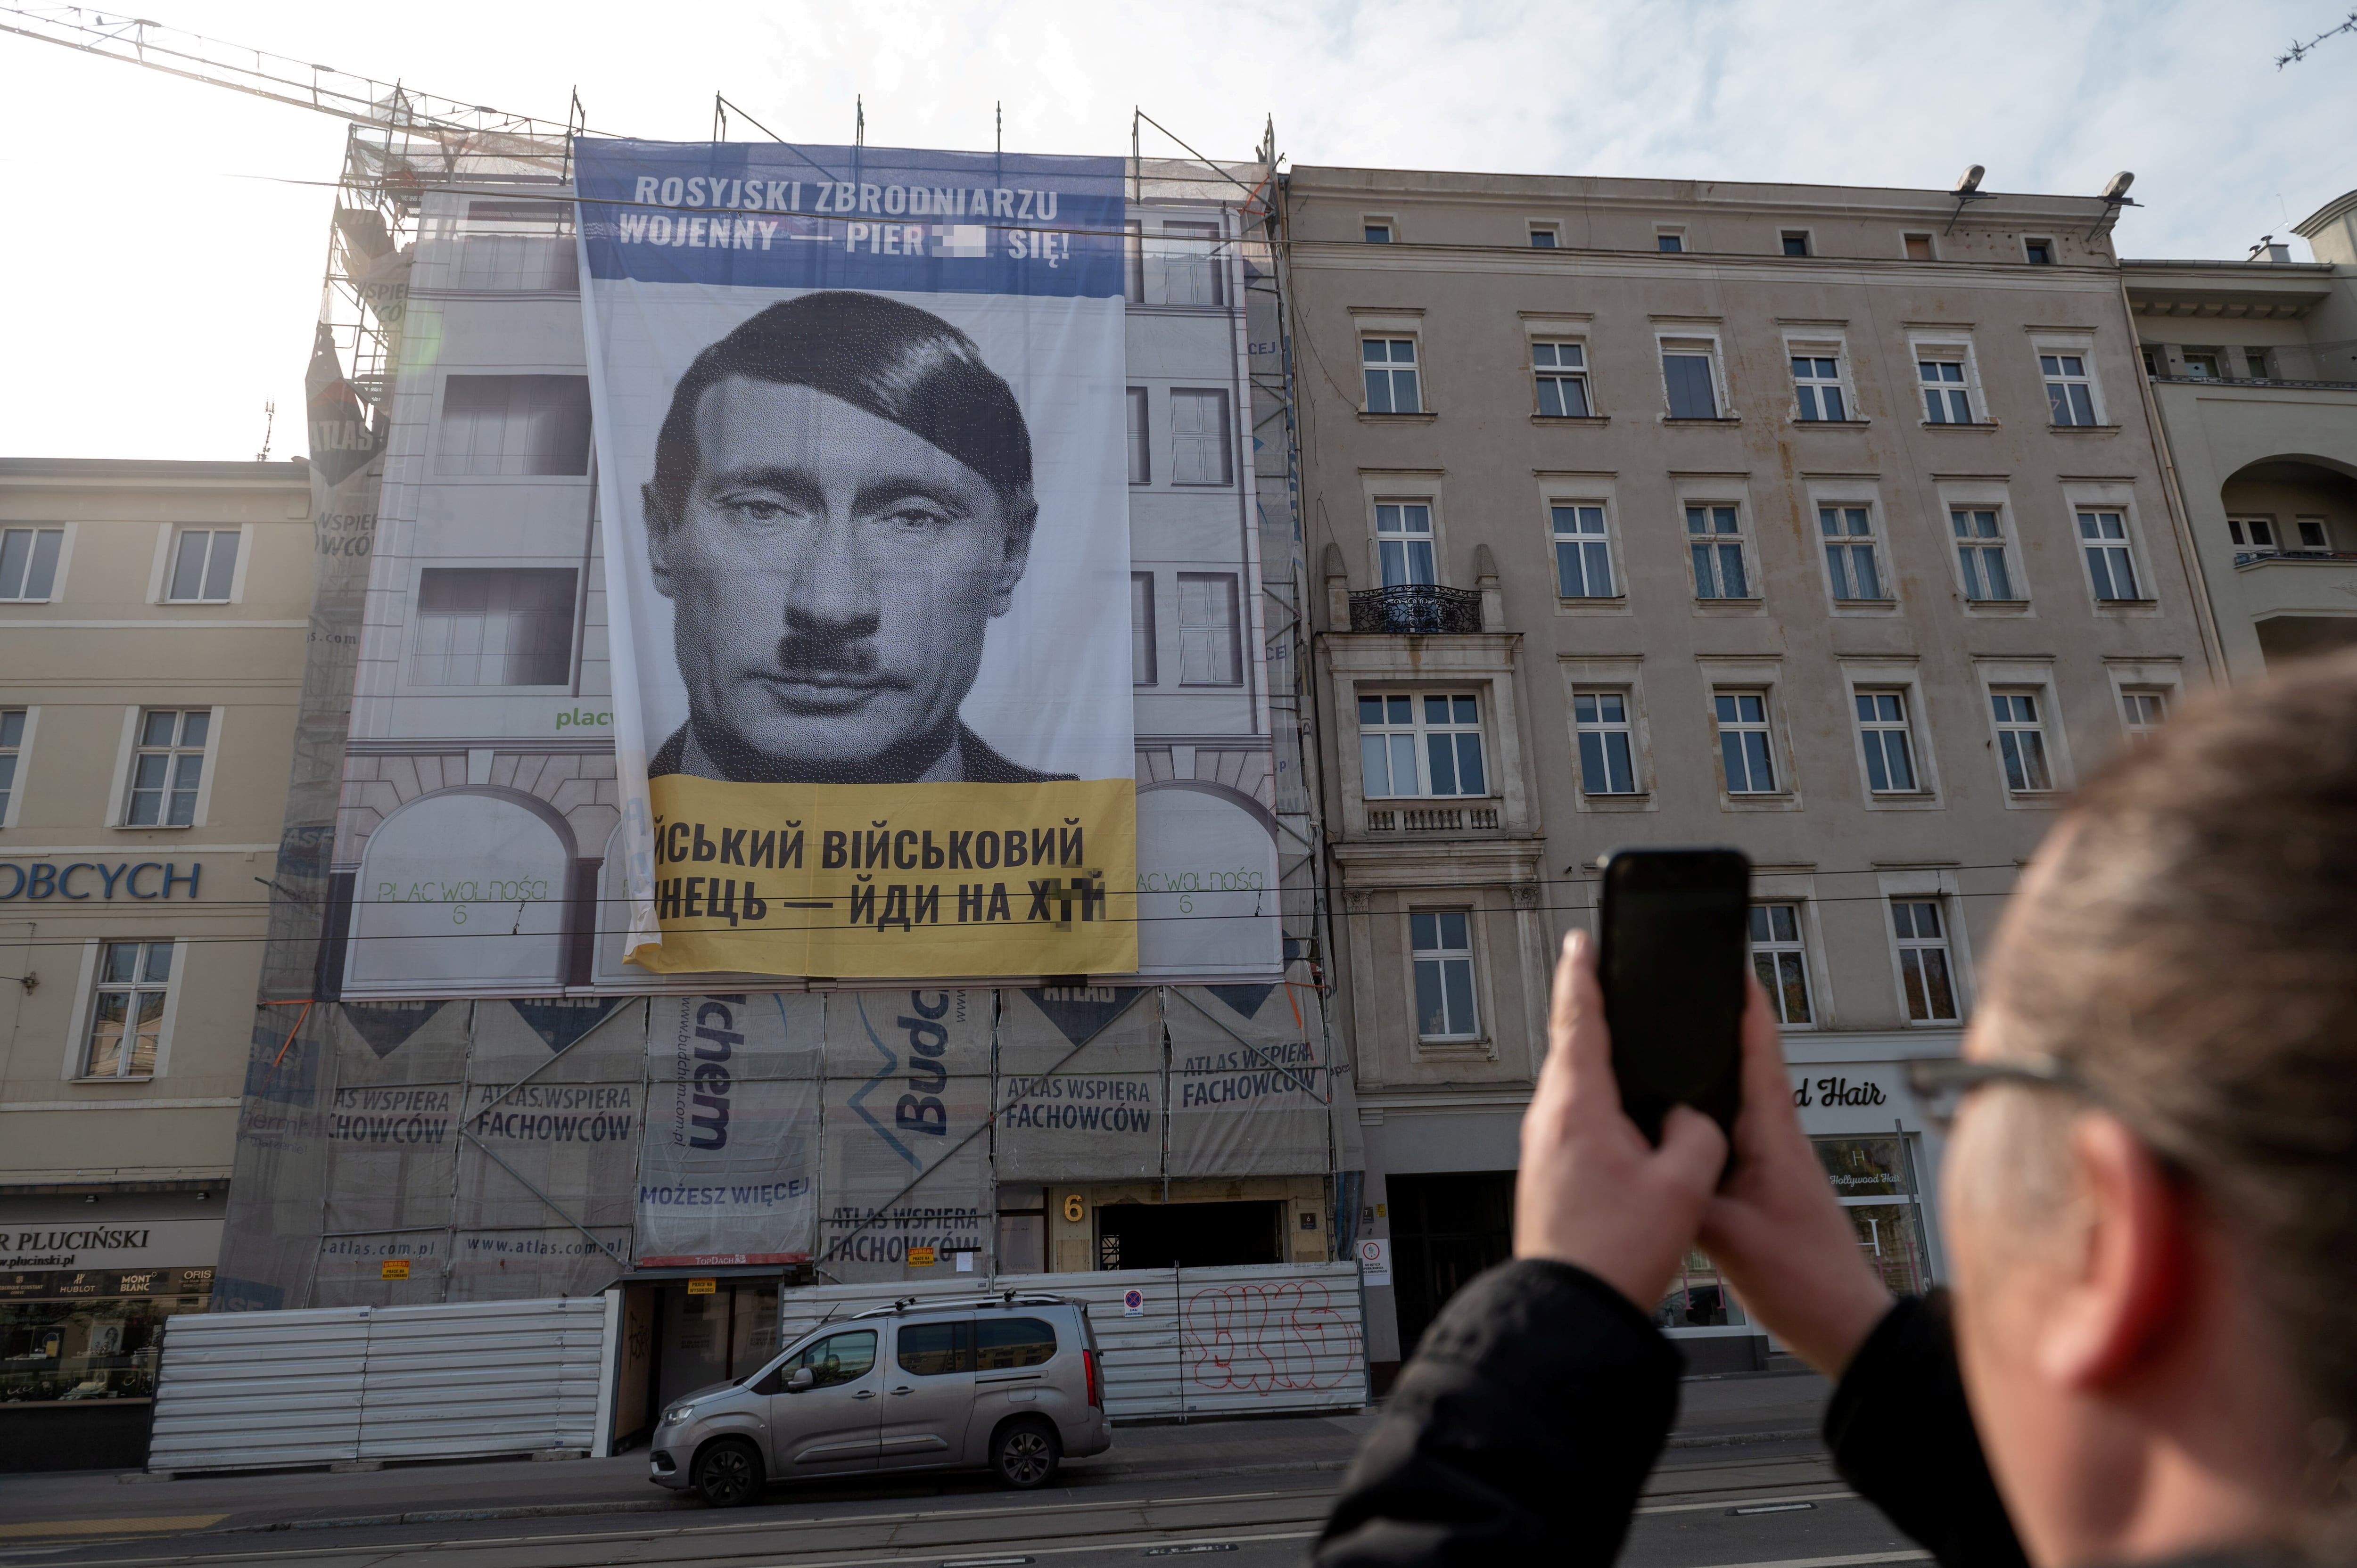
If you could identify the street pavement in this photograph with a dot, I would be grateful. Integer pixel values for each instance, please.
(1744, 1483)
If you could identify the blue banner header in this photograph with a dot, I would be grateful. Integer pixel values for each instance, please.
(773, 215)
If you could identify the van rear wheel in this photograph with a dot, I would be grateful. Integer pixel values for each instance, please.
(1025, 1455)
(728, 1474)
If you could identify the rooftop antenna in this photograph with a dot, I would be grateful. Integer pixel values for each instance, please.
(1968, 189)
(859, 123)
(998, 126)
(2116, 196)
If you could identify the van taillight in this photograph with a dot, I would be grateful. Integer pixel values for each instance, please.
(1096, 1392)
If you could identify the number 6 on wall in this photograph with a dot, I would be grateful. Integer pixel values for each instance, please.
(1074, 1208)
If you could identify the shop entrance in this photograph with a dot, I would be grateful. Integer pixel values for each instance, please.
(1445, 1229)
(709, 1335)
(1191, 1235)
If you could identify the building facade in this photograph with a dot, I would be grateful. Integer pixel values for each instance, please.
(1827, 524)
(151, 640)
(2253, 367)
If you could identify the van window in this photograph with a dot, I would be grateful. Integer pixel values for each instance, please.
(1015, 1342)
(837, 1359)
(931, 1349)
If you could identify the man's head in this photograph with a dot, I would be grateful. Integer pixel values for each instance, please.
(841, 503)
(2155, 1269)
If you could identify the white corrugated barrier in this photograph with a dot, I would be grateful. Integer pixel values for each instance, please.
(1260, 1337)
(248, 1390)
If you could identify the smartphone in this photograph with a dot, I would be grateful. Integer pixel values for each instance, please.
(1672, 962)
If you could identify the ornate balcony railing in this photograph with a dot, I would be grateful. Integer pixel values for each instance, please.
(1432, 820)
(1415, 609)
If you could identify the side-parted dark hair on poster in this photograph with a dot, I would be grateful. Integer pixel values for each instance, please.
(884, 358)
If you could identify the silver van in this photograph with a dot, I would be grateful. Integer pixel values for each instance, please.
(1012, 1384)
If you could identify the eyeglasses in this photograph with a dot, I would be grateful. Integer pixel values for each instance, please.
(1940, 1084)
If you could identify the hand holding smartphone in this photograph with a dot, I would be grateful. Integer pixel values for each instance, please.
(1671, 962)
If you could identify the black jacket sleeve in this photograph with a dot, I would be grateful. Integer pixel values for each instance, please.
(1902, 1434)
(1520, 1432)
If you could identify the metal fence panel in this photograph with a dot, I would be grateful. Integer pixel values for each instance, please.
(236, 1389)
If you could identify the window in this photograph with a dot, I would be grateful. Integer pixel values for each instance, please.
(11, 747)
(28, 563)
(1607, 744)
(1889, 753)
(1583, 560)
(2202, 362)
(1743, 742)
(1201, 453)
(493, 625)
(1686, 375)
(2021, 742)
(2313, 536)
(518, 262)
(1543, 238)
(1669, 244)
(1781, 961)
(1945, 401)
(1391, 375)
(1421, 745)
(1378, 233)
(2155, 360)
(1795, 241)
(1003, 1343)
(1404, 542)
(2110, 565)
(2070, 395)
(167, 768)
(934, 1349)
(126, 1016)
(1980, 552)
(1562, 371)
(2258, 532)
(1875, 1180)
(1849, 552)
(1442, 941)
(514, 425)
(837, 1359)
(2257, 359)
(2040, 253)
(1209, 647)
(2142, 713)
(1816, 382)
(1923, 969)
(1919, 247)
(1714, 536)
(1142, 652)
(204, 565)
(1190, 257)
(1141, 454)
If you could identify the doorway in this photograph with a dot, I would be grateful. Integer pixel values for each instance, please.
(711, 1335)
(1191, 1235)
(1445, 1229)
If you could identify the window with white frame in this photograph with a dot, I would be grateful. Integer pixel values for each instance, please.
(1583, 555)
(12, 751)
(1141, 450)
(1562, 371)
(1390, 368)
(2111, 559)
(1851, 557)
(514, 427)
(167, 768)
(1607, 742)
(1442, 943)
(1715, 540)
(2143, 712)
(493, 625)
(204, 567)
(1210, 647)
(2256, 534)
(1816, 386)
(1947, 395)
(1189, 257)
(1745, 744)
(1687, 378)
(28, 563)
(1926, 973)
(126, 1012)
(1980, 555)
(2021, 741)
(1142, 657)
(1890, 745)
(1421, 744)
(1780, 957)
(1201, 451)
(2069, 389)
(1404, 542)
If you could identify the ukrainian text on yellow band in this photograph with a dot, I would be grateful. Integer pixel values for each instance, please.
(858, 880)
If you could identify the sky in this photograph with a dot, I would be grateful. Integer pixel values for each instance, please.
(165, 240)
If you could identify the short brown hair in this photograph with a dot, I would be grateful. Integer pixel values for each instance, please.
(2194, 960)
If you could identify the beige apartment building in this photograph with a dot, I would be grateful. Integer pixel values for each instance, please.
(1830, 523)
(153, 617)
(2254, 369)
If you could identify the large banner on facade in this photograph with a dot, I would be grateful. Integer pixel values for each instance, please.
(864, 511)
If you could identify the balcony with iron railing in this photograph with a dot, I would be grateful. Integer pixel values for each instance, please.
(2295, 557)
(1415, 609)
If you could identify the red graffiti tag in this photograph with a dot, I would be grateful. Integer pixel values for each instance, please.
(1254, 1338)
